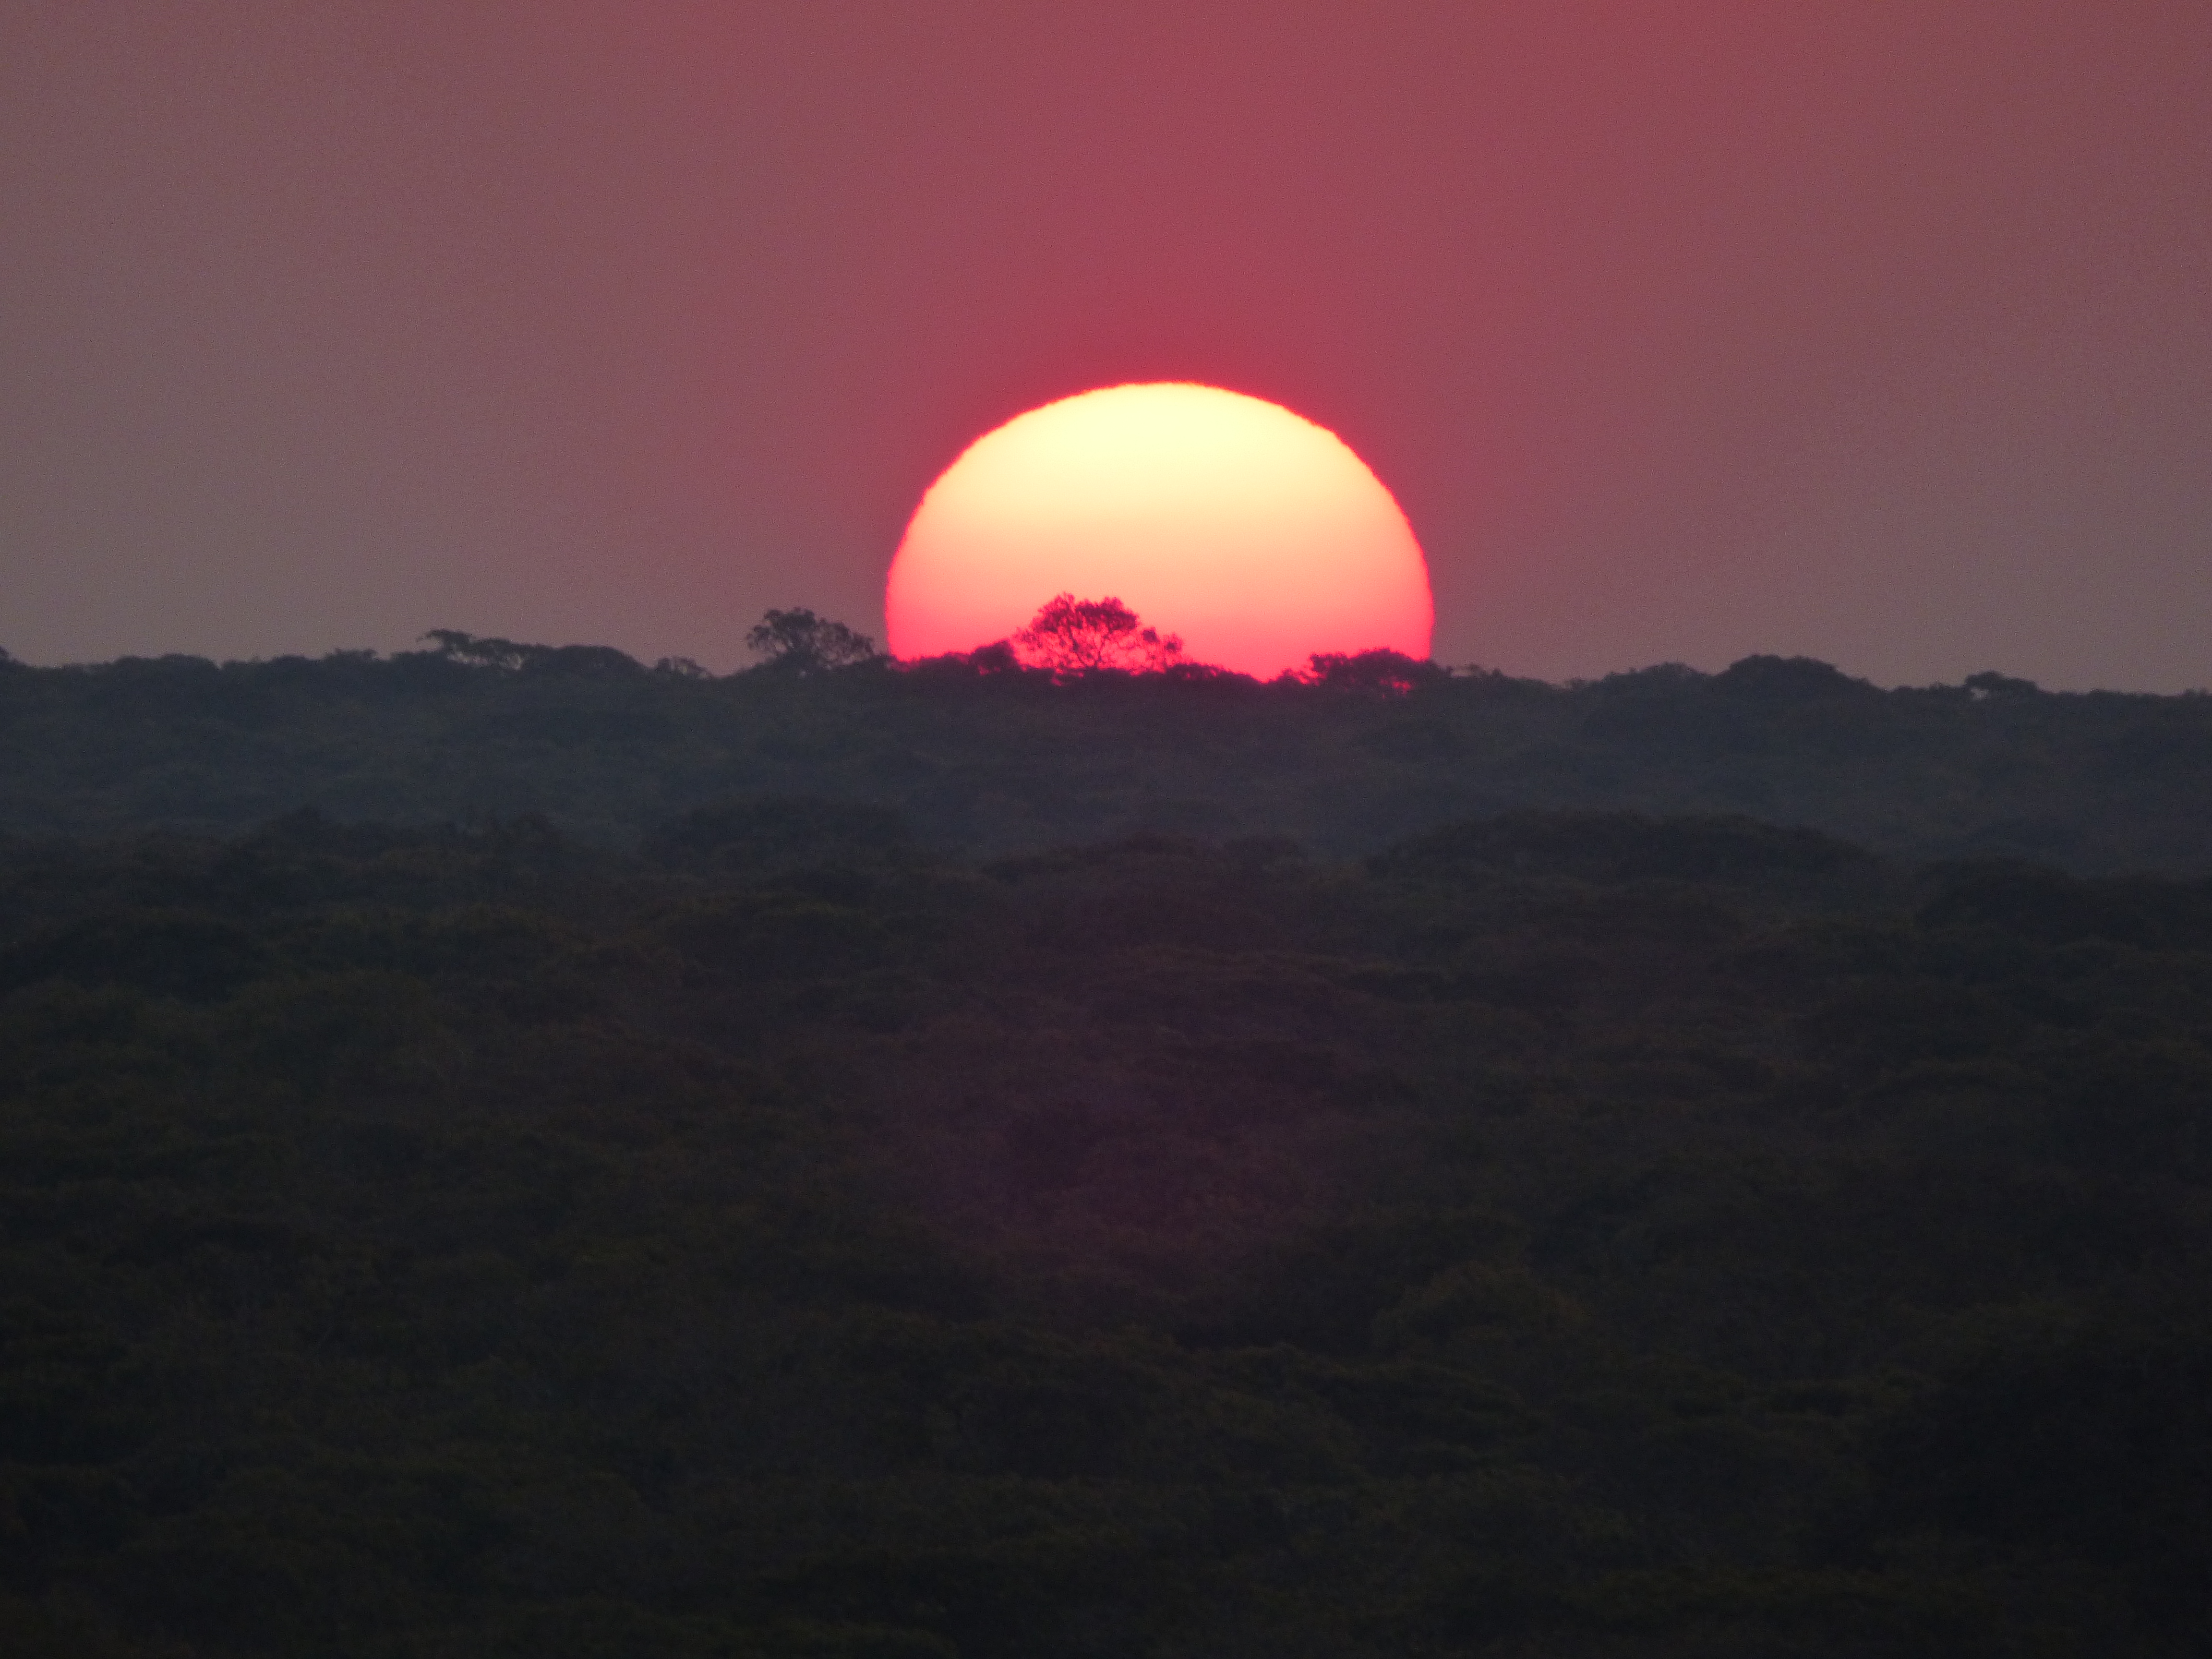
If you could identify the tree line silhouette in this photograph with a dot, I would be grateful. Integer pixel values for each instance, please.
(985, 751)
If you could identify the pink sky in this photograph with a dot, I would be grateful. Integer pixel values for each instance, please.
(1680, 332)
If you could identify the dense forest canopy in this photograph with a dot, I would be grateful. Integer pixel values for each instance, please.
(1560, 1234)
(505, 1150)
(982, 755)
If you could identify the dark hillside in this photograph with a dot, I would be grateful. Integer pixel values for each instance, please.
(1562, 1234)
(995, 762)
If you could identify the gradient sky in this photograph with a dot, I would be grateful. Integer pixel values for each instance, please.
(1878, 332)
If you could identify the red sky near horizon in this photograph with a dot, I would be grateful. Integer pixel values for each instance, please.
(1680, 331)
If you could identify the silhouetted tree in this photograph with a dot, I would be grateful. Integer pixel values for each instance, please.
(1380, 672)
(2000, 685)
(458, 647)
(993, 661)
(1073, 636)
(571, 661)
(800, 642)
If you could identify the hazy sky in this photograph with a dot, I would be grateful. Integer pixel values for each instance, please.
(1879, 333)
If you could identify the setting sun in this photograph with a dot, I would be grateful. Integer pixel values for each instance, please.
(1257, 536)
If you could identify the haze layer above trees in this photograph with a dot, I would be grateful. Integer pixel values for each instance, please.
(984, 755)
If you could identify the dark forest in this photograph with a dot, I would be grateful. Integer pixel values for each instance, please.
(508, 1151)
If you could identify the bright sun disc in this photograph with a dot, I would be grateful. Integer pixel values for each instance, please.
(1256, 535)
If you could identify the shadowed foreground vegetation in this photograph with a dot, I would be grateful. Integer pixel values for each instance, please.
(1555, 1234)
(983, 756)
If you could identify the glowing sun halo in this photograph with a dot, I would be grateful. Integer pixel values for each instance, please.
(1256, 535)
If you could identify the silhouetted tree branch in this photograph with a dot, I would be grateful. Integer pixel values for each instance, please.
(1070, 635)
(800, 642)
